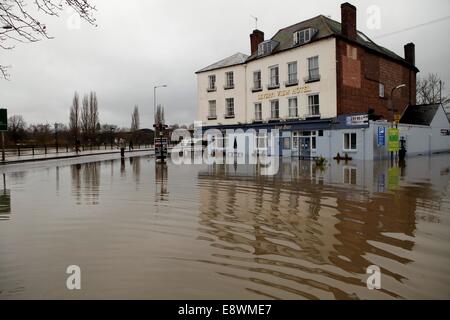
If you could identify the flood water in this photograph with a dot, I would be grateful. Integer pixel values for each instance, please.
(140, 230)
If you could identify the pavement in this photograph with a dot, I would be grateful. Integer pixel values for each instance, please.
(66, 155)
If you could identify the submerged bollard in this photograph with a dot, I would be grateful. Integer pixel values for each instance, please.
(122, 152)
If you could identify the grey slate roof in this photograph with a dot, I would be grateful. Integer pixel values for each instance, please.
(325, 27)
(235, 59)
(420, 114)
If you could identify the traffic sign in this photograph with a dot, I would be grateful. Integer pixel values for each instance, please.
(3, 120)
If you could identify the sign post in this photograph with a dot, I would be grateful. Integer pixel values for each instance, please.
(394, 141)
(3, 128)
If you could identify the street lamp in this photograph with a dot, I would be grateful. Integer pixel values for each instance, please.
(154, 98)
(392, 107)
(392, 100)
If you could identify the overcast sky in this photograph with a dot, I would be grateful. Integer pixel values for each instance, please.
(138, 44)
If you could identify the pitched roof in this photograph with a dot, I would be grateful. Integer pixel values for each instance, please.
(235, 59)
(420, 114)
(326, 27)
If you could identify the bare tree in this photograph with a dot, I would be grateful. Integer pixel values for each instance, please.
(20, 23)
(94, 125)
(429, 90)
(74, 121)
(85, 118)
(159, 116)
(16, 128)
(135, 121)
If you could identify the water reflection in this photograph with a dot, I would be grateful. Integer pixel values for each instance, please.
(86, 182)
(161, 178)
(308, 223)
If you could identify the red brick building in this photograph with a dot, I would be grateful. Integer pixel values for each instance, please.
(367, 73)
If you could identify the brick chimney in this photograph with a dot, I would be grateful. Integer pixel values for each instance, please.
(255, 39)
(348, 20)
(410, 53)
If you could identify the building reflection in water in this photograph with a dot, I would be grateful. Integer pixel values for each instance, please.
(86, 182)
(331, 223)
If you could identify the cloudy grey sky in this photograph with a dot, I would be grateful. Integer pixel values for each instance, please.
(138, 44)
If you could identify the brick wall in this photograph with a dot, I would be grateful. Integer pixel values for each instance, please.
(359, 74)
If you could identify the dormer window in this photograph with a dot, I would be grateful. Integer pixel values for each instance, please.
(303, 36)
(264, 48)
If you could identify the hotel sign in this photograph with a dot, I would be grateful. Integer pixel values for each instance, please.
(357, 120)
(284, 93)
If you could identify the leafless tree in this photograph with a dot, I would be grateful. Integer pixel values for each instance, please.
(16, 128)
(429, 90)
(21, 22)
(94, 125)
(159, 116)
(135, 121)
(85, 118)
(74, 121)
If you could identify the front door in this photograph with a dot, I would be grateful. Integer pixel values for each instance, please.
(305, 147)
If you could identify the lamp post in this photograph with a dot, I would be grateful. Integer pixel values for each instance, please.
(391, 100)
(154, 98)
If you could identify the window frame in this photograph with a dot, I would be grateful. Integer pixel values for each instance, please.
(313, 69)
(257, 80)
(228, 84)
(258, 104)
(227, 108)
(310, 106)
(276, 76)
(350, 134)
(295, 78)
(290, 107)
(272, 109)
(302, 33)
(210, 103)
(212, 84)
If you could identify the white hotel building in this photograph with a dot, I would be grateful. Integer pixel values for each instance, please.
(309, 81)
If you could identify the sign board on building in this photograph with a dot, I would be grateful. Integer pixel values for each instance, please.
(381, 136)
(357, 120)
(393, 140)
(3, 120)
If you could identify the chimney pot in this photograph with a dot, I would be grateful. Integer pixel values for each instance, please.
(348, 20)
(255, 39)
(410, 53)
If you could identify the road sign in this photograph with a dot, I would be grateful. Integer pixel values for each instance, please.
(394, 141)
(381, 136)
(3, 120)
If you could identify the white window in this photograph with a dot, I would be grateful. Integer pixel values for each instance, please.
(229, 80)
(264, 47)
(350, 175)
(257, 80)
(293, 109)
(350, 141)
(258, 111)
(313, 105)
(274, 80)
(212, 109)
(212, 82)
(229, 107)
(292, 72)
(313, 68)
(302, 36)
(275, 109)
(381, 90)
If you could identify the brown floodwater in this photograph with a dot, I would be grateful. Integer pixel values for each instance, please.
(140, 230)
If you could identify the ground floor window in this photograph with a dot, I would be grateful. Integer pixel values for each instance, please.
(350, 141)
(349, 175)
